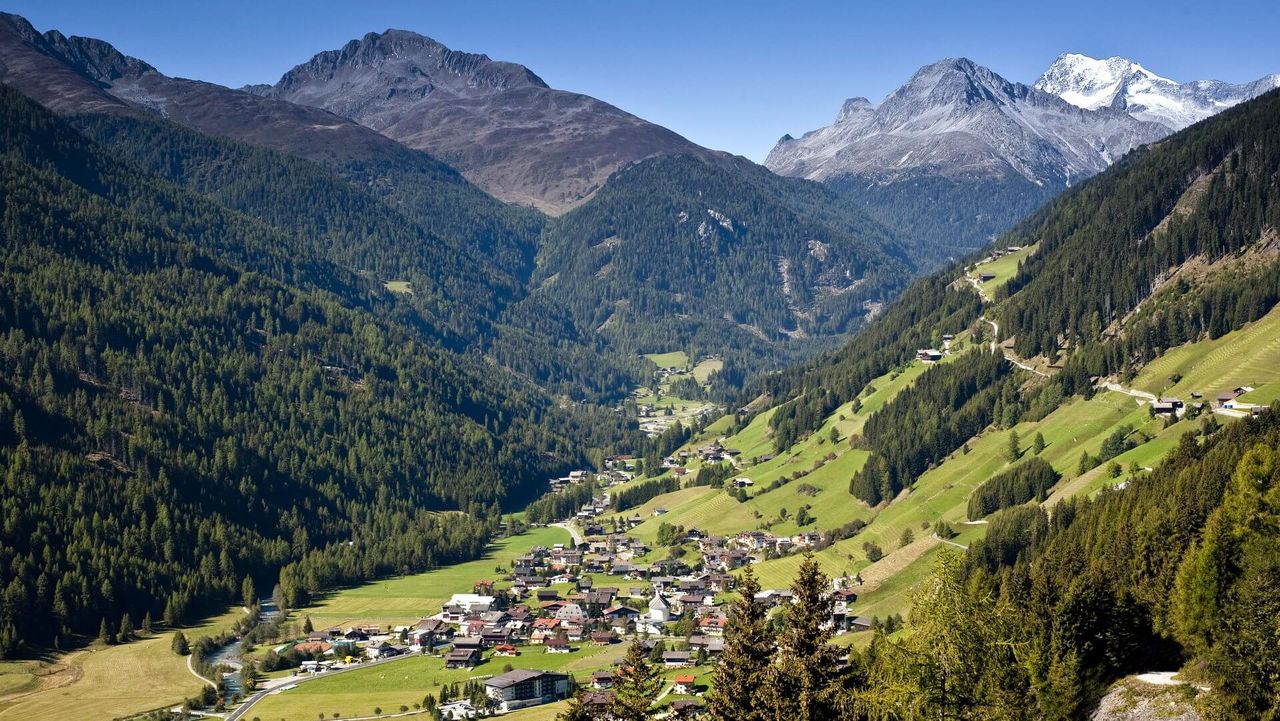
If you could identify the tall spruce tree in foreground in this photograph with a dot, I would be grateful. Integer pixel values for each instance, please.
(955, 664)
(635, 687)
(805, 681)
(748, 647)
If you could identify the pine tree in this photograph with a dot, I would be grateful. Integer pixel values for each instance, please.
(180, 645)
(147, 625)
(104, 633)
(748, 646)
(126, 628)
(1037, 443)
(248, 595)
(576, 710)
(306, 625)
(1014, 451)
(636, 686)
(804, 683)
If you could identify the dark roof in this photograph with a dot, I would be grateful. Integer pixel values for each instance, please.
(511, 678)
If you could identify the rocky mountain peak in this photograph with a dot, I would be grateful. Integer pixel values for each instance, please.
(852, 108)
(407, 63)
(955, 118)
(96, 59)
(1125, 85)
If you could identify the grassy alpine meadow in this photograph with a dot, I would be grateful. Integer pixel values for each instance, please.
(1249, 356)
(1003, 268)
(105, 681)
(672, 359)
(408, 681)
(405, 599)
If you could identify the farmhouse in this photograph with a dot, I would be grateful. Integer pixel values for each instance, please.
(677, 659)
(929, 355)
(526, 687)
(462, 658)
(684, 684)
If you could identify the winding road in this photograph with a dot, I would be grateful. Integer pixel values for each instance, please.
(1008, 354)
(573, 532)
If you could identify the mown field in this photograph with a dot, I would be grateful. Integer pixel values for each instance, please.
(408, 681)
(405, 599)
(103, 682)
(1248, 356)
(1003, 268)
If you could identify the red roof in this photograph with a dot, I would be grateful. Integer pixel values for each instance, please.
(686, 678)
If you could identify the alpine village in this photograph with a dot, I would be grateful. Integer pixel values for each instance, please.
(410, 386)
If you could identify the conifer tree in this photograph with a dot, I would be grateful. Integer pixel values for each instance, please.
(636, 686)
(1014, 451)
(104, 633)
(1037, 443)
(126, 628)
(804, 682)
(147, 625)
(748, 646)
(180, 645)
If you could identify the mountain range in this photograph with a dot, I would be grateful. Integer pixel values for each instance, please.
(959, 153)
(311, 334)
(499, 123)
(1125, 85)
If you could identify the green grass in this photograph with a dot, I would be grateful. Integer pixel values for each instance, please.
(1003, 268)
(408, 681)
(673, 359)
(104, 681)
(408, 598)
(399, 286)
(1248, 356)
(704, 369)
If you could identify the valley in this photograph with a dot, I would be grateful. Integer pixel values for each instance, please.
(410, 385)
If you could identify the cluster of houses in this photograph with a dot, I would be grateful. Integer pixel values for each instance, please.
(530, 616)
(714, 452)
(999, 253)
(575, 478)
(1227, 400)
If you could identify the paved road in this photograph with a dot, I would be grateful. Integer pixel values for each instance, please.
(297, 681)
(573, 532)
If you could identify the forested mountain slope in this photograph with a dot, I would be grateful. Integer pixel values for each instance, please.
(1103, 537)
(1174, 243)
(721, 257)
(191, 396)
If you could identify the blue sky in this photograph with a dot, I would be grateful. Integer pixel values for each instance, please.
(730, 75)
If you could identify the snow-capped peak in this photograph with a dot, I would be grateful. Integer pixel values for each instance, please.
(1121, 83)
(1091, 83)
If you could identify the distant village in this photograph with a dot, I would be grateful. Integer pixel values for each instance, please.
(672, 606)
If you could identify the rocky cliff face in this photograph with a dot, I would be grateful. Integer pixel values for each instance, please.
(497, 122)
